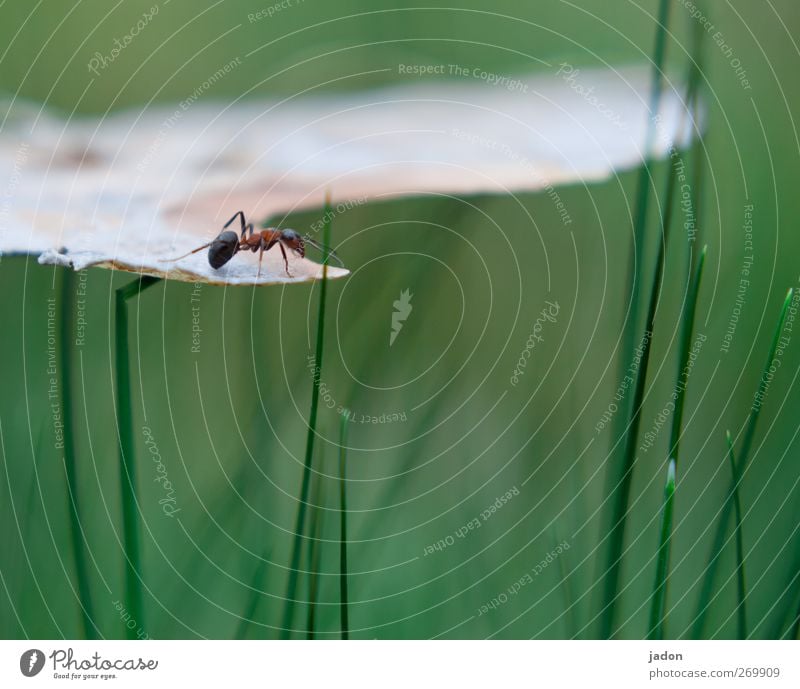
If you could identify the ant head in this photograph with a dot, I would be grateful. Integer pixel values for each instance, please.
(222, 249)
(297, 243)
(293, 241)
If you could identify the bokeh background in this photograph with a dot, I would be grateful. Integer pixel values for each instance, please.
(230, 420)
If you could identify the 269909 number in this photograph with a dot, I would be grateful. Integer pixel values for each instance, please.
(758, 672)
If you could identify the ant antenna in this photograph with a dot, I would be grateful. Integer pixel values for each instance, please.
(319, 246)
(194, 251)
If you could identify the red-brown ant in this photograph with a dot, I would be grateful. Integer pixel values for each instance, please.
(227, 244)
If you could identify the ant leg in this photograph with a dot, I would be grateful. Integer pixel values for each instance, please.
(240, 215)
(285, 260)
(260, 257)
(247, 230)
(262, 247)
(193, 251)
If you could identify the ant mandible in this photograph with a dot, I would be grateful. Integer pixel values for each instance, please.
(227, 244)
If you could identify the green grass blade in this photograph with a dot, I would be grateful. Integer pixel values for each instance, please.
(297, 547)
(687, 330)
(77, 535)
(645, 178)
(643, 184)
(620, 496)
(790, 604)
(698, 143)
(314, 554)
(764, 383)
(707, 589)
(658, 606)
(662, 568)
(620, 491)
(343, 593)
(130, 505)
(573, 629)
(741, 586)
(255, 596)
(794, 631)
(619, 474)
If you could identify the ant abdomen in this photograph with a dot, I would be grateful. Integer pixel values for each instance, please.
(222, 249)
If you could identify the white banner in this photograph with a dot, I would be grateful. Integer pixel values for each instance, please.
(379, 664)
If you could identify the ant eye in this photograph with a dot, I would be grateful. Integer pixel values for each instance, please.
(290, 235)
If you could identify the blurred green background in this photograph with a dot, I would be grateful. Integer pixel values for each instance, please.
(230, 421)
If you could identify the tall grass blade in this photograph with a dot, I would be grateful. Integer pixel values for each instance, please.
(764, 383)
(619, 474)
(788, 603)
(658, 606)
(249, 613)
(643, 184)
(687, 330)
(645, 177)
(127, 464)
(620, 492)
(77, 535)
(573, 628)
(706, 592)
(698, 141)
(297, 547)
(662, 568)
(741, 586)
(794, 631)
(343, 593)
(314, 555)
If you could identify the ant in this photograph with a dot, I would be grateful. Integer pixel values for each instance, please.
(227, 244)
